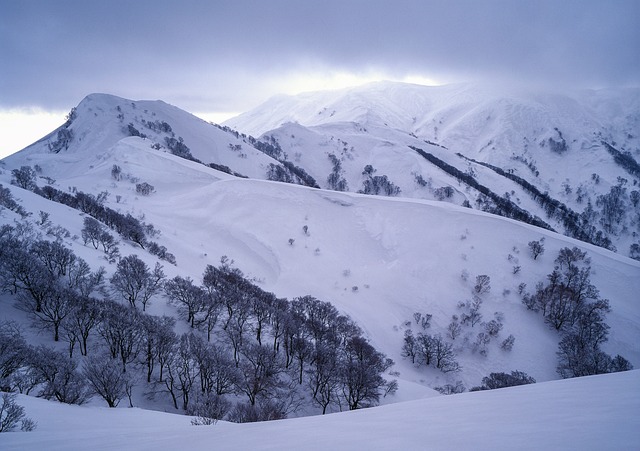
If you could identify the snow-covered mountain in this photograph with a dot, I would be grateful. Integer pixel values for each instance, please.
(463, 117)
(573, 148)
(393, 264)
(100, 121)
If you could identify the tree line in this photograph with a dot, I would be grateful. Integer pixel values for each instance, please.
(126, 225)
(575, 224)
(248, 355)
(501, 206)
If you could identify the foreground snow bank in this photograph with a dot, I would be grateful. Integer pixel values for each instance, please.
(598, 412)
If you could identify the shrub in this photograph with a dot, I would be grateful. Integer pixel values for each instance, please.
(208, 409)
(450, 389)
(11, 413)
(134, 131)
(8, 201)
(507, 343)
(144, 188)
(502, 380)
(65, 136)
(25, 177)
(116, 172)
(536, 248)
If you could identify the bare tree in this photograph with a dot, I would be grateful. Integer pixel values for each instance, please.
(189, 297)
(106, 379)
(324, 377)
(261, 373)
(85, 315)
(25, 177)
(410, 346)
(536, 248)
(61, 379)
(445, 357)
(158, 339)
(483, 285)
(208, 408)
(472, 313)
(182, 371)
(121, 328)
(11, 413)
(133, 280)
(361, 374)
(55, 306)
(13, 352)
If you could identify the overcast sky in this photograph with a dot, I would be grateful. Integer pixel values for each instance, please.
(226, 57)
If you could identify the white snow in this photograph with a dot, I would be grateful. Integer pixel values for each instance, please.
(403, 255)
(590, 413)
(504, 126)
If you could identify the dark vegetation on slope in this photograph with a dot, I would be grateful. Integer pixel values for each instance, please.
(180, 149)
(7, 201)
(176, 146)
(574, 225)
(249, 356)
(64, 136)
(377, 184)
(503, 380)
(127, 226)
(288, 172)
(624, 159)
(336, 180)
(571, 305)
(502, 206)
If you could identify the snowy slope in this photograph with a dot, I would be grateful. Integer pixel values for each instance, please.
(554, 141)
(101, 121)
(377, 259)
(592, 413)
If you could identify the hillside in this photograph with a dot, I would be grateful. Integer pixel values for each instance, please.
(392, 264)
(590, 413)
(100, 121)
(571, 149)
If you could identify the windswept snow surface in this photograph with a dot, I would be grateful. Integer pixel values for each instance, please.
(590, 413)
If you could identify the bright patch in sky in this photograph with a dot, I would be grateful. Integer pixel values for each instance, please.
(20, 128)
(317, 80)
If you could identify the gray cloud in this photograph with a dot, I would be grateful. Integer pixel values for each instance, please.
(229, 55)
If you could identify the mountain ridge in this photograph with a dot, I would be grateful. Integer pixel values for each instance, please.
(559, 144)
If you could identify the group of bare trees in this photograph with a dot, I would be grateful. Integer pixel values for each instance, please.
(430, 350)
(269, 349)
(101, 216)
(377, 184)
(440, 351)
(249, 355)
(571, 304)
